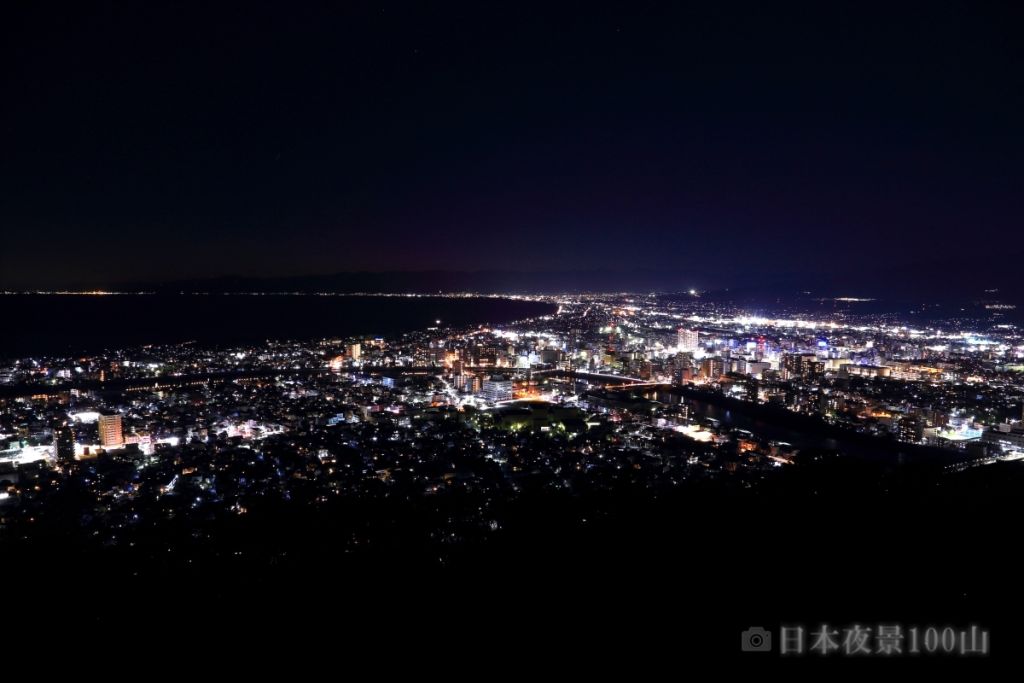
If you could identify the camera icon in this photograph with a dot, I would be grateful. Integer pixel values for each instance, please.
(756, 639)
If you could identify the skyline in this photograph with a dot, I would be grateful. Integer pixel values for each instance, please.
(738, 144)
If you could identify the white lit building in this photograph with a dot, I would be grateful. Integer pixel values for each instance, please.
(688, 340)
(497, 388)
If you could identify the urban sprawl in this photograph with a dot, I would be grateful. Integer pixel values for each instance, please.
(609, 391)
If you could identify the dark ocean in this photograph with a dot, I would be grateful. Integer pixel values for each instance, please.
(36, 324)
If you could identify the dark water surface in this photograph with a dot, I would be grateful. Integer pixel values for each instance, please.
(38, 324)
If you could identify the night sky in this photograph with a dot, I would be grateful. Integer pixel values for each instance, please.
(158, 140)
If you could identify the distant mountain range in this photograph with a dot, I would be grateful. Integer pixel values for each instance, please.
(434, 281)
(968, 274)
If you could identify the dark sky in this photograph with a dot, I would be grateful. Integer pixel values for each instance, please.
(159, 140)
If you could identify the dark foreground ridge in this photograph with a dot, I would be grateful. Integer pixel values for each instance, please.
(625, 567)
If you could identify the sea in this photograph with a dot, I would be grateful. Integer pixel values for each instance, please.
(68, 324)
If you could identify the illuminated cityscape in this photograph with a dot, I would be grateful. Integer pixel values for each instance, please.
(650, 392)
(473, 336)
(618, 362)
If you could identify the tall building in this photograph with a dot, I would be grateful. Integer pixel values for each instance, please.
(110, 430)
(712, 368)
(469, 383)
(63, 443)
(687, 340)
(497, 388)
(354, 351)
(801, 365)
